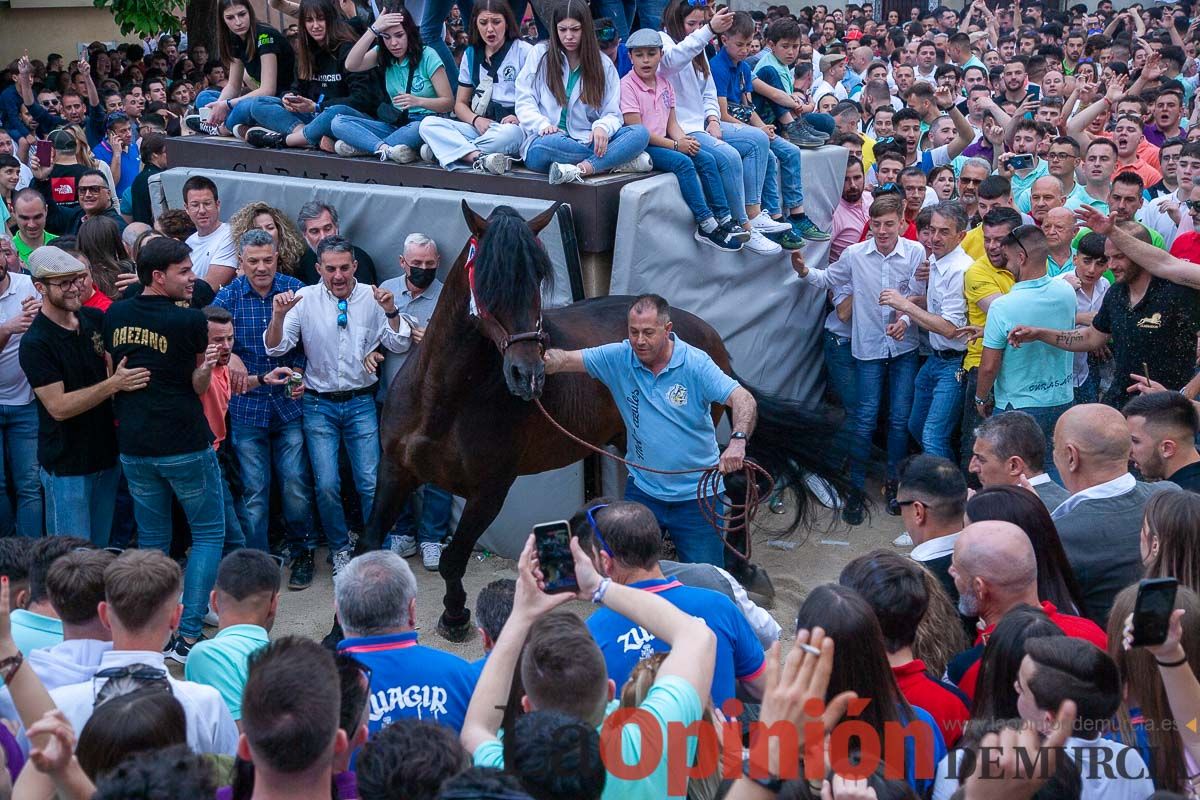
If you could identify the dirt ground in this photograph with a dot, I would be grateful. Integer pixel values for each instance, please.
(794, 564)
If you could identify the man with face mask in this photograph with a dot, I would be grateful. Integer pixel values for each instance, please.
(416, 293)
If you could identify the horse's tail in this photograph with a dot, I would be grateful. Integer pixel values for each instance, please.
(794, 441)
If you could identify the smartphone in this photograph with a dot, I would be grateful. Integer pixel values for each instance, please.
(1152, 611)
(1023, 161)
(1034, 92)
(553, 542)
(44, 151)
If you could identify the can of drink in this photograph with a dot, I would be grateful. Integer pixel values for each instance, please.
(295, 380)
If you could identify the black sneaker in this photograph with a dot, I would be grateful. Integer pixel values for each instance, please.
(736, 232)
(889, 492)
(853, 512)
(178, 648)
(718, 239)
(302, 571)
(261, 137)
(194, 124)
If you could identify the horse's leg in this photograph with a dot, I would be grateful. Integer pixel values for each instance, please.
(481, 511)
(392, 489)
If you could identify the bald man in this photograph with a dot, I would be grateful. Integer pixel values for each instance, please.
(1045, 194)
(1060, 227)
(1100, 524)
(995, 570)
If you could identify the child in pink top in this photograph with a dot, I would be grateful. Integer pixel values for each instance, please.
(647, 100)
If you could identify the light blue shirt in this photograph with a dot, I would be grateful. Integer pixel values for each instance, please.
(32, 631)
(222, 662)
(1054, 269)
(1022, 184)
(668, 417)
(1034, 375)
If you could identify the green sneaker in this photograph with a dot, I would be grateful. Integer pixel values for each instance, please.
(788, 240)
(807, 229)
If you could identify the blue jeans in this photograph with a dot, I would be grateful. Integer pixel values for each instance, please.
(625, 145)
(1046, 418)
(668, 160)
(367, 134)
(270, 114)
(937, 405)
(279, 451)
(432, 21)
(731, 168)
(78, 504)
(194, 478)
(843, 383)
(19, 467)
(435, 515)
(235, 534)
(240, 115)
(783, 156)
(322, 124)
(327, 426)
(696, 541)
(899, 373)
(649, 14)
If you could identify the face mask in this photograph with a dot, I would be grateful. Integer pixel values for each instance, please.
(421, 278)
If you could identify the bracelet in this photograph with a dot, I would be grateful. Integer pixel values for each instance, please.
(979, 401)
(1178, 663)
(675, 144)
(9, 667)
(598, 595)
(473, 121)
(261, 378)
(371, 28)
(392, 314)
(1183, 391)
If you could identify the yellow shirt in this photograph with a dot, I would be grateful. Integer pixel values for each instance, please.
(972, 243)
(981, 280)
(868, 158)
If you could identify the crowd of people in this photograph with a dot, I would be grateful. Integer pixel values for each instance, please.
(189, 406)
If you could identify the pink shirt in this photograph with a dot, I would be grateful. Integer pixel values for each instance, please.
(654, 103)
(848, 224)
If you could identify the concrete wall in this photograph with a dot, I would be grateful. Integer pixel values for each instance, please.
(54, 30)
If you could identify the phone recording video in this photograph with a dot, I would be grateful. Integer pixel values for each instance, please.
(553, 542)
(1152, 611)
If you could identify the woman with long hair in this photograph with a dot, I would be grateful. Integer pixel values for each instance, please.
(415, 86)
(1056, 580)
(260, 61)
(1171, 537)
(569, 105)
(289, 244)
(324, 88)
(99, 239)
(860, 665)
(1144, 719)
(486, 135)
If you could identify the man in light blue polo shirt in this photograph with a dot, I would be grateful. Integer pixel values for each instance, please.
(245, 599)
(1035, 378)
(665, 390)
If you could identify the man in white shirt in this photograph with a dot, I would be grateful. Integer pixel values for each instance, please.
(884, 344)
(19, 305)
(937, 403)
(1167, 214)
(1086, 277)
(142, 609)
(935, 497)
(214, 257)
(833, 69)
(340, 324)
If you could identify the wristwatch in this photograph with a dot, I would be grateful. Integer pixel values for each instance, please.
(738, 435)
(392, 314)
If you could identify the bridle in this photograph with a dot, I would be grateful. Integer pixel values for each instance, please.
(500, 334)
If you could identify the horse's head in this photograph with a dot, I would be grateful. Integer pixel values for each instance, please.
(510, 269)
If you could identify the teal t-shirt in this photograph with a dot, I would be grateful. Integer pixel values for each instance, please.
(668, 417)
(1034, 375)
(222, 662)
(670, 700)
(396, 79)
(31, 631)
(1021, 185)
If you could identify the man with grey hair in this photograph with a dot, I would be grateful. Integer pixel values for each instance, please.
(1011, 446)
(939, 390)
(316, 221)
(375, 597)
(417, 291)
(267, 433)
(974, 171)
(995, 570)
(130, 235)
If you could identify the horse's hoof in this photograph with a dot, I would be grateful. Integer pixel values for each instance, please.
(458, 631)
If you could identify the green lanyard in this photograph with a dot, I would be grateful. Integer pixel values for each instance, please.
(572, 79)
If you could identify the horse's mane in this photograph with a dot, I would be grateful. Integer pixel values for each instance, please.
(511, 266)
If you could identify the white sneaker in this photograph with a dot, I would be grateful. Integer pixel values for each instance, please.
(427, 154)
(399, 153)
(903, 540)
(764, 224)
(640, 164)
(346, 150)
(340, 560)
(403, 546)
(565, 173)
(761, 244)
(211, 620)
(492, 164)
(431, 555)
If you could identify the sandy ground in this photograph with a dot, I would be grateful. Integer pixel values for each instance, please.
(795, 566)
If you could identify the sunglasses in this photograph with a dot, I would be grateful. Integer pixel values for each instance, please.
(698, 3)
(91, 189)
(118, 681)
(49, 103)
(342, 318)
(591, 518)
(1192, 205)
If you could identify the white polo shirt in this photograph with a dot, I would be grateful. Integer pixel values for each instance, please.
(14, 388)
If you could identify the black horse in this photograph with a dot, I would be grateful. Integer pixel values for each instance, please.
(459, 413)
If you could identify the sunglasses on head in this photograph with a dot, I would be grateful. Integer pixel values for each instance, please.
(606, 34)
(698, 3)
(591, 518)
(342, 318)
